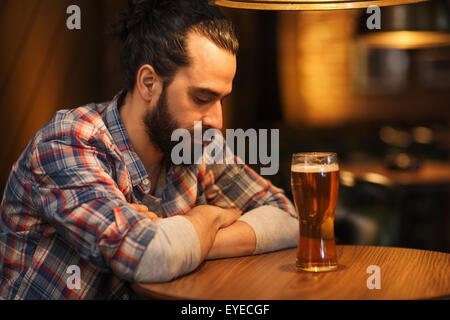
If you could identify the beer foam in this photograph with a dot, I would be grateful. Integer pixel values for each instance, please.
(315, 168)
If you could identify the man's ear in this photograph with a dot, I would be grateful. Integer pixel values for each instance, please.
(145, 82)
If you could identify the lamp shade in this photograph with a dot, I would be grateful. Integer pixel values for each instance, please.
(308, 4)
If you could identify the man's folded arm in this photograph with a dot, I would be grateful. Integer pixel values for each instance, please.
(89, 211)
(274, 228)
(181, 243)
(174, 251)
(77, 196)
(75, 193)
(268, 213)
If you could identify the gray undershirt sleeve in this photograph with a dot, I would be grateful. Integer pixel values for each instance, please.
(174, 251)
(274, 228)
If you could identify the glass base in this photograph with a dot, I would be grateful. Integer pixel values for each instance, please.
(311, 268)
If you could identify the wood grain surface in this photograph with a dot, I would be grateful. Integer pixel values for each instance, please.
(405, 274)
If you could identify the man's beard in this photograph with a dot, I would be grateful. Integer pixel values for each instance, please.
(160, 125)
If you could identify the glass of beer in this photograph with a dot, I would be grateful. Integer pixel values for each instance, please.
(315, 186)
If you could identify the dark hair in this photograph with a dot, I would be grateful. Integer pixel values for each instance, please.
(154, 31)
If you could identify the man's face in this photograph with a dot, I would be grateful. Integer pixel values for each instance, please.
(195, 94)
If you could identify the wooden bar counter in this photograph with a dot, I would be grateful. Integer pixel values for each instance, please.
(404, 274)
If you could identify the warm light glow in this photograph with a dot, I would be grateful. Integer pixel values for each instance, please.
(309, 4)
(405, 39)
(377, 179)
(347, 179)
(324, 76)
(314, 63)
(395, 137)
(423, 135)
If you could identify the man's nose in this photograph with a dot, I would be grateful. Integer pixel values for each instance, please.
(213, 118)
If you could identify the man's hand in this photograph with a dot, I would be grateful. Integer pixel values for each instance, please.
(144, 210)
(207, 220)
(220, 218)
(237, 240)
(226, 217)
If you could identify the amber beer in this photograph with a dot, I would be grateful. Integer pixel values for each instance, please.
(315, 185)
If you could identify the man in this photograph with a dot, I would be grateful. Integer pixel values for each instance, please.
(94, 190)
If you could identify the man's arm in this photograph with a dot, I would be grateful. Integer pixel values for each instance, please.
(73, 189)
(239, 239)
(207, 220)
(261, 230)
(269, 222)
(181, 243)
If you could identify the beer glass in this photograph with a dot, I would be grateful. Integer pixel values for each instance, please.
(315, 186)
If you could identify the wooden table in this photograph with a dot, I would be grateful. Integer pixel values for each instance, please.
(405, 274)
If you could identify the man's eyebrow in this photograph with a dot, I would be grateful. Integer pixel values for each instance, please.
(207, 91)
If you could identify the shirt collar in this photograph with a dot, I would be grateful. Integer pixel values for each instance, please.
(115, 126)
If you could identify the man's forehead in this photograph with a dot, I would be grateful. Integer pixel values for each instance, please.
(208, 62)
(208, 91)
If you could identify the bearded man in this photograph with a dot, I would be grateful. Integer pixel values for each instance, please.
(95, 188)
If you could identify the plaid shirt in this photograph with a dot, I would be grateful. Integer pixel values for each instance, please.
(67, 200)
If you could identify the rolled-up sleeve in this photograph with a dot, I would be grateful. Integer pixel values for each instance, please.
(173, 252)
(274, 229)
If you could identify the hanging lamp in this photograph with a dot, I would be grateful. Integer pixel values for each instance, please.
(308, 4)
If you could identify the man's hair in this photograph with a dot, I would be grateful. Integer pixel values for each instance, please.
(154, 32)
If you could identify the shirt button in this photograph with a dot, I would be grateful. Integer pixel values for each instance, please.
(126, 296)
(146, 182)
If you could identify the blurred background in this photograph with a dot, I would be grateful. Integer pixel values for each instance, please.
(381, 101)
